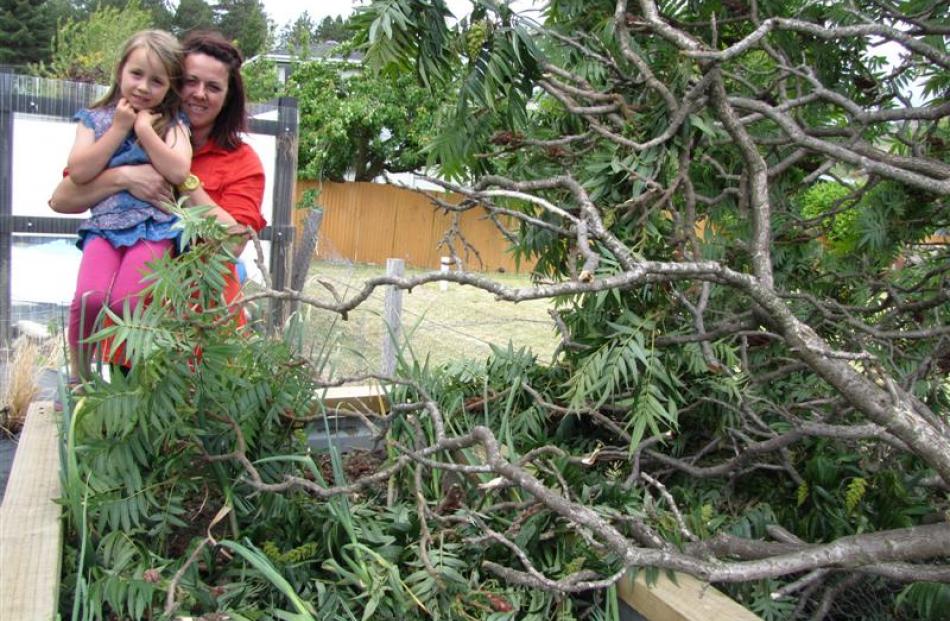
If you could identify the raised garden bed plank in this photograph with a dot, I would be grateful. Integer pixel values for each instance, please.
(362, 397)
(31, 531)
(686, 600)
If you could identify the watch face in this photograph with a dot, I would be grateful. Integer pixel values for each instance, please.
(190, 183)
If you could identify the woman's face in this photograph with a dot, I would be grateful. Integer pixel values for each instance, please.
(205, 90)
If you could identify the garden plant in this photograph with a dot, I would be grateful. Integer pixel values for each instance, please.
(739, 210)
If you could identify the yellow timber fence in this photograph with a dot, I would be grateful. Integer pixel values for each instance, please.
(370, 223)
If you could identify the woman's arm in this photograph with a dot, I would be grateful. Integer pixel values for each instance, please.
(171, 156)
(143, 182)
(89, 156)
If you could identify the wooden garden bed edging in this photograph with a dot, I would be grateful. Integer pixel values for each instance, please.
(361, 397)
(687, 600)
(31, 531)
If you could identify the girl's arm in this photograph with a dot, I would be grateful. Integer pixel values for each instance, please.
(89, 156)
(142, 181)
(171, 155)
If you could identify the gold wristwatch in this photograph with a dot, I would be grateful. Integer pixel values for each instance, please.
(190, 184)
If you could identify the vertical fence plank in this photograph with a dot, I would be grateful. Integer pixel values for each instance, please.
(285, 177)
(392, 318)
(6, 204)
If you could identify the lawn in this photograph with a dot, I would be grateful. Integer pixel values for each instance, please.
(461, 322)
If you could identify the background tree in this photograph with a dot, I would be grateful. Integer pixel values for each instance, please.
(332, 29)
(192, 15)
(261, 81)
(246, 23)
(26, 28)
(296, 36)
(352, 121)
(85, 49)
(160, 10)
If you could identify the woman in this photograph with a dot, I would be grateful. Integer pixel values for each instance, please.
(226, 173)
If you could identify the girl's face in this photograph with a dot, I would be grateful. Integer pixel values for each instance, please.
(143, 81)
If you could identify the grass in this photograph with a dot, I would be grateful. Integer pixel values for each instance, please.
(461, 322)
(18, 384)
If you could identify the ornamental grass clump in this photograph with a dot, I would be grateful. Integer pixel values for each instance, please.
(22, 361)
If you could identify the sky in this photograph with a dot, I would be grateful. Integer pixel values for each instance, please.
(283, 11)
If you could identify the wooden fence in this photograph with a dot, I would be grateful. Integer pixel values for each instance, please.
(369, 223)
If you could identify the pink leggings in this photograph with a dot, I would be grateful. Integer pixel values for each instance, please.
(109, 274)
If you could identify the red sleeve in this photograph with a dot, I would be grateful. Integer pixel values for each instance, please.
(242, 192)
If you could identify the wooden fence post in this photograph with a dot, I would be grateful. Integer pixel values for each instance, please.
(392, 318)
(6, 205)
(285, 176)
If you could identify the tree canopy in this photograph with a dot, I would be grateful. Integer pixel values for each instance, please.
(26, 28)
(353, 121)
(85, 49)
(246, 23)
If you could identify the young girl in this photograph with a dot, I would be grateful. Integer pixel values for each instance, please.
(137, 122)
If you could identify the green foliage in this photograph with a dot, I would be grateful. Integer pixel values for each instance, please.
(246, 23)
(351, 120)
(192, 15)
(85, 50)
(261, 81)
(26, 28)
(141, 490)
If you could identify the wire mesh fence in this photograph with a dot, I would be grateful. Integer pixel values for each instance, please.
(440, 322)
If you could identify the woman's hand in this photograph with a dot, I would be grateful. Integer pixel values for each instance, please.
(147, 184)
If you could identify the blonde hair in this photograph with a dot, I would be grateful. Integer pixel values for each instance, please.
(169, 53)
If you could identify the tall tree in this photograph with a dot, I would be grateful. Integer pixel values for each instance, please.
(85, 49)
(246, 23)
(160, 10)
(332, 29)
(26, 29)
(297, 36)
(192, 15)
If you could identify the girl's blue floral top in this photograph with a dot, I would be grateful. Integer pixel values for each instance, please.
(122, 218)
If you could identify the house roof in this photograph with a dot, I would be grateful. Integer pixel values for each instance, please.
(319, 50)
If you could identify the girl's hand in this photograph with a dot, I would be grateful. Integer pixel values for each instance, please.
(144, 120)
(125, 115)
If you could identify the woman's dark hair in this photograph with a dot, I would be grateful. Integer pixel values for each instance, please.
(232, 120)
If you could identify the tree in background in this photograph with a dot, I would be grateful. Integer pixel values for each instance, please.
(192, 15)
(160, 10)
(244, 22)
(352, 121)
(85, 49)
(296, 36)
(332, 29)
(26, 28)
(261, 81)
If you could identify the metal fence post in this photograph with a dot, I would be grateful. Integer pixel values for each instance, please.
(392, 318)
(285, 178)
